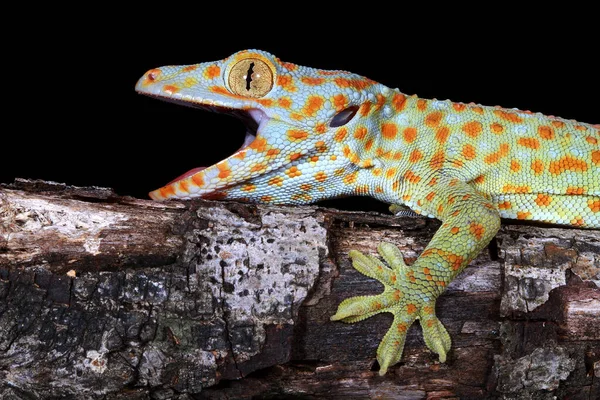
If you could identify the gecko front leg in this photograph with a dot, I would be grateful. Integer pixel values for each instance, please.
(410, 292)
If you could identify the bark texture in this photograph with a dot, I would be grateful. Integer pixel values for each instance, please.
(103, 297)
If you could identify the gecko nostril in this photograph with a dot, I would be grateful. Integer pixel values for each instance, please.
(153, 74)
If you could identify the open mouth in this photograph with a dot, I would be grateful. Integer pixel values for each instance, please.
(252, 119)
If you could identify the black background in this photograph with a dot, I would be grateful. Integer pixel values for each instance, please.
(73, 115)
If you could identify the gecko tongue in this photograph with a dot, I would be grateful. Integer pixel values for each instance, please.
(189, 173)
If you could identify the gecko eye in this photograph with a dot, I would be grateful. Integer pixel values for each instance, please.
(251, 77)
(343, 117)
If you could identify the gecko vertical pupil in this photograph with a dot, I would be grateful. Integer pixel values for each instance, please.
(251, 77)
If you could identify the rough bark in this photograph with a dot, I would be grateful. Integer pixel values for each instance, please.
(104, 296)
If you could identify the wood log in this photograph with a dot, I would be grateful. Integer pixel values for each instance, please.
(103, 296)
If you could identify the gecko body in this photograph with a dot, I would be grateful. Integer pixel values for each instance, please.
(316, 134)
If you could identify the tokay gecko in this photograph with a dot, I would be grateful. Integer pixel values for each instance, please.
(316, 134)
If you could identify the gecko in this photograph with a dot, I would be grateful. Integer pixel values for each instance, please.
(314, 134)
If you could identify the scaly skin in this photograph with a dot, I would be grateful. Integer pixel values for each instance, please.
(324, 134)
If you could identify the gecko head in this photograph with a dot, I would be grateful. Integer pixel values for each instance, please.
(308, 131)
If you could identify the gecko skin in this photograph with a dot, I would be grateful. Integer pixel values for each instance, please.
(316, 134)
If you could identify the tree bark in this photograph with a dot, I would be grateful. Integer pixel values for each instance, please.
(103, 296)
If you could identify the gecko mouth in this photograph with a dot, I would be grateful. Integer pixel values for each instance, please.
(252, 119)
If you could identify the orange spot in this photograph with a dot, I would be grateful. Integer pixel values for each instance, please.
(401, 328)
(320, 128)
(189, 68)
(380, 101)
(259, 144)
(472, 129)
(433, 119)
(313, 105)
(296, 116)
(412, 177)
(430, 196)
(406, 197)
(183, 185)
(577, 221)
(198, 180)
(546, 132)
(468, 151)
(321, 176)
(497, 128)
(295, 156)
(543, 200)
(415, 156)
(477, 110)
(341, 134)
(596, 157)
(594, 205)
(314, 158)
(306, 187)
(411, 308)
(170, 89)
(505, 205)
(442, 134)
(361, 133)
(286, 82)
(508, 116)
(312, 81)
(258, 167)
(537, 166)
(523, 214)
(466, 196)
(390, 172)
(498, 155)
(378, 189)
(454, 230)
(212, 72)
(515, 166)
(266, 199)
(296, 135)
(516, 189)
(284, 102)
(353, 83)
(399, 101)
(479, 180)
(558, 124)
(532, 143)
(397, 155)
(580, 128)
(575, 190)
(265, 102)
(567, 163)
(421, 104)
(453, 182)
(437, 161)
(293, 172)
(459, 107)
(167, 191)
(389, 130)
(273, 152)
(409, 134)
(591, 140)
(339, 102)
(249, 187)
(433, 181)
(350, 178)
(224, 170)
(289, 66)
(365, 108)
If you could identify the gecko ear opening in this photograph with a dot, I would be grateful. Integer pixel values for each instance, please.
(343, 117)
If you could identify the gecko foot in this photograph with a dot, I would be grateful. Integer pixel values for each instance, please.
(404, 296)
